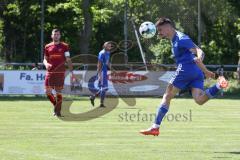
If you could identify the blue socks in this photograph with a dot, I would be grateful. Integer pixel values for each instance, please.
(212, 91)
(162, 110)
(102, 95)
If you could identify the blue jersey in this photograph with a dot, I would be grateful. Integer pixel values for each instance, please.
(104, 57)
(181, 44)
(188, 74)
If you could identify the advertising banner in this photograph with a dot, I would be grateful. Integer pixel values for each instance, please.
(123, 83)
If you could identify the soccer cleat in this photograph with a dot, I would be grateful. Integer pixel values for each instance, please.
(223, 83)
(57, 114)
(102, 105)
(92, 98)
(150, 131)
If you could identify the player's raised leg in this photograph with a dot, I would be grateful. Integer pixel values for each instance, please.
(201, 96)
(161, 111)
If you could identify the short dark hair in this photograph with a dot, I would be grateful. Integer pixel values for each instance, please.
(163, 20)
(56, 30)
(105, 44)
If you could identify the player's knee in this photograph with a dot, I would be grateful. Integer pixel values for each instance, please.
(48, 91)
(199, 101)
(168, 96)
(58, 91)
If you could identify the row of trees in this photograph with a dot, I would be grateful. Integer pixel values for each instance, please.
(86, 24)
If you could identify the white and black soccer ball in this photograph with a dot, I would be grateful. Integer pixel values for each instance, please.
(147, 29)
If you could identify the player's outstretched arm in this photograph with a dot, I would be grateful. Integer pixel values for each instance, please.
(200, 64)
(69, 63)
(198, 60)
(70, 68)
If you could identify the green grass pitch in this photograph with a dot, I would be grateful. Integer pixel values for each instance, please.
(28, 131)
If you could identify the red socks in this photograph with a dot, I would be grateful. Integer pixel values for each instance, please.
(59, 102)
(51, 98)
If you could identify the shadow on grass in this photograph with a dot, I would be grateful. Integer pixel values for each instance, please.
(229, 152)
(226, 157)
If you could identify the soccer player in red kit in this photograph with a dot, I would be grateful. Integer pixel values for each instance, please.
(56, 54)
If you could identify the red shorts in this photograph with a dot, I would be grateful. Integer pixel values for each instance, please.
(54, 80)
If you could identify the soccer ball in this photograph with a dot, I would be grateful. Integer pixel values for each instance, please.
(147, 29)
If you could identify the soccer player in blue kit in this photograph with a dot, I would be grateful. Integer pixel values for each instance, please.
(102, 68)
(189, 73)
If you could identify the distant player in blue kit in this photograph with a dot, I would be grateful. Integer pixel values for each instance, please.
(102, 68)
(189, 73)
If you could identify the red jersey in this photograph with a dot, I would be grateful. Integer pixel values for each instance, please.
(56, 56)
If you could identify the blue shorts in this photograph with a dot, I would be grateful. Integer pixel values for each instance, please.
(188, 76)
